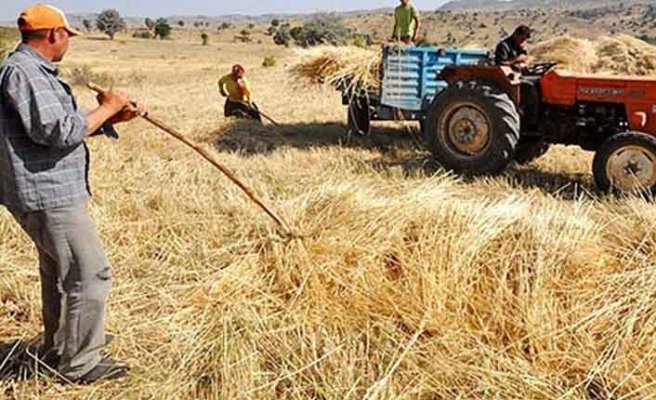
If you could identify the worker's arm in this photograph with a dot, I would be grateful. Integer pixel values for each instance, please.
(396, 26)
(245, 88)
(222, 83)
(502, 54)
(415, 35)
(45, 119)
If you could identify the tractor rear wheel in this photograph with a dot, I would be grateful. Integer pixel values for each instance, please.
(626, 162)
(359, 120)
(473, 128)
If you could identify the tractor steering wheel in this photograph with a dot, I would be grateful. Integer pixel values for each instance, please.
(540, 68)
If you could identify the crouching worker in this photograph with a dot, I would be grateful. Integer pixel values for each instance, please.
(236, 89)
(44, 185)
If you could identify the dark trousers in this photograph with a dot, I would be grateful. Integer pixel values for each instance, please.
(241, 110)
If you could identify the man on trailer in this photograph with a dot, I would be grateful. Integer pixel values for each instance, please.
(406, 23)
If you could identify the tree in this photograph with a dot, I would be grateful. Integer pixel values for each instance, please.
(150, 24)
(162, 28)
(275, 22)
(88, 25)
(324, 29)
(181, 23)
(205, 38)
(282, 35)
(109, 22)
(226, 25)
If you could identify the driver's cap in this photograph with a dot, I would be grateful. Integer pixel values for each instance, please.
(44, 16)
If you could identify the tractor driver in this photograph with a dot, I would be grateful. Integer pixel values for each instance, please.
(511, 51)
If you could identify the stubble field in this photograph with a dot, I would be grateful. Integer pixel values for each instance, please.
(408, 283)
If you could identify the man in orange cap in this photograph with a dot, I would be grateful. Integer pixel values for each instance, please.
(43, 183)
(237, 91)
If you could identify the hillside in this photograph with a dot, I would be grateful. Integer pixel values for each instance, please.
(490, 5)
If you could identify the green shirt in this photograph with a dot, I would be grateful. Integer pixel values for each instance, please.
(405, 20)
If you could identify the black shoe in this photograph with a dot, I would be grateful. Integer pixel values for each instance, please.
(50, 360)
(107, 369)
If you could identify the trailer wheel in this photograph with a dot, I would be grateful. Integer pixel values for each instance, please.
(359, 120)
(626, 162)
(529, 150)
(473, 128)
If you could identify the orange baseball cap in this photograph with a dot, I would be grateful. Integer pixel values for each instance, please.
(44, 16)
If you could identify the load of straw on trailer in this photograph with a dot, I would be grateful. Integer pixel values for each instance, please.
(352, 69)
(349, 69)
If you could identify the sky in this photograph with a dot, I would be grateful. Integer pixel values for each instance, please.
(9, 9)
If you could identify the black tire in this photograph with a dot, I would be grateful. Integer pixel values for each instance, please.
(359, 120)
(529, 150)
(632, 155)
(496, 113)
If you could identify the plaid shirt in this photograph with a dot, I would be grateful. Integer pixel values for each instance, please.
(43, 158)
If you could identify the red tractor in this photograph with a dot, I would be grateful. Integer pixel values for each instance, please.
(489, 116)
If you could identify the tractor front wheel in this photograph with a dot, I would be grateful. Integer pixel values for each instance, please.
(473, 128)
(626, 162)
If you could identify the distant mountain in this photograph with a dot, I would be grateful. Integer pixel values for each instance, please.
(75, 19)
(487, 5)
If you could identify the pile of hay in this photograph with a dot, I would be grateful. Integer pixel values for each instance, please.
(570, 53)
(349, 69)
(621, 54)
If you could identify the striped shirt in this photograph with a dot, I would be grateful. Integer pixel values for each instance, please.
(43, 159)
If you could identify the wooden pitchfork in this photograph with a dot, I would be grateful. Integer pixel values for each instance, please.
(209, 157)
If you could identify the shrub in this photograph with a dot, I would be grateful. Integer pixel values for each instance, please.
(205, 38)
(150, 24)
(243, 39)
(88, 25)
(245, 32)
(251, 26)
(362, 40)
(162, 28)
(282, 36)
(275, 22)
(226, 25)
(84, 74)
(142, 34)
(269, 61)
(324, 29)
(110, 22)
(181, 23)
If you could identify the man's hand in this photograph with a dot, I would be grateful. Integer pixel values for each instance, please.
(114, 102)
(522, 59)
(128, 113)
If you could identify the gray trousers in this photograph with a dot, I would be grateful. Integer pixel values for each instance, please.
(75, 284)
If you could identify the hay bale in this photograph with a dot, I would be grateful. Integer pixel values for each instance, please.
(349, 68)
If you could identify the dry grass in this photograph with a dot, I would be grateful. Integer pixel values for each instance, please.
(621, 54)
(409, 284)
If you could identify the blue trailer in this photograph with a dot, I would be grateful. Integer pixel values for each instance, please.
(409, 83)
